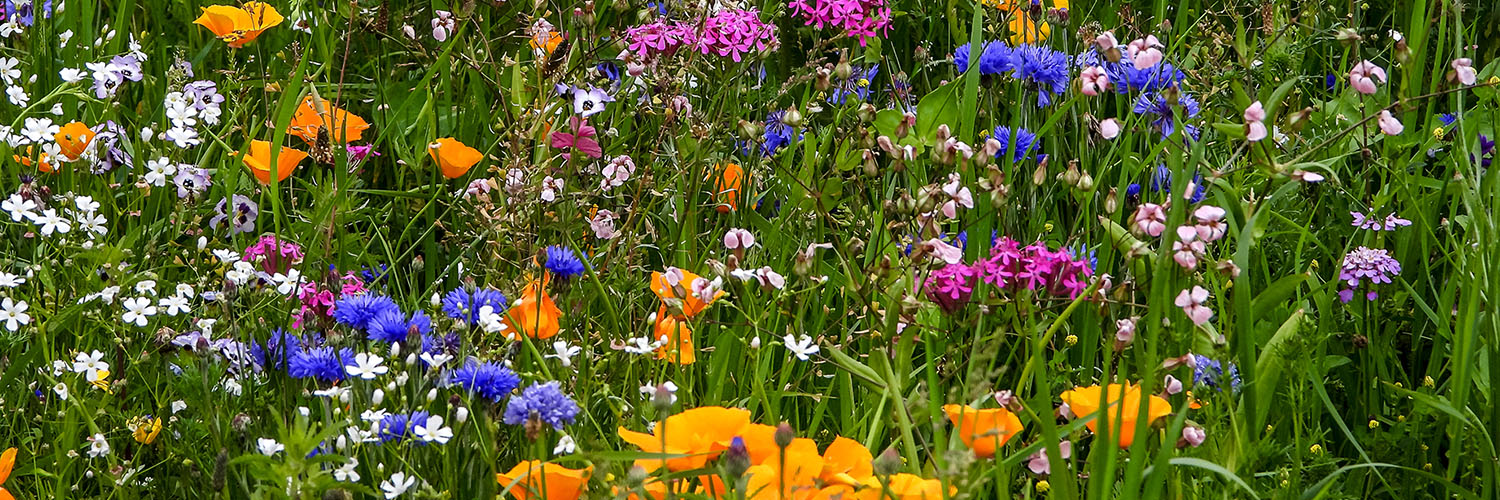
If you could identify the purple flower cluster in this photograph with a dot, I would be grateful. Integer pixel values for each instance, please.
(243, 220)
(1159, 106)
(546, 401)
(274, 255)
(660, 38)
(1013, 267)
(325, 363)
(858, 18)
(1373, 264)
(1390, 223)
(728, 32)
(1211, 373)
(391, 326)
(107, 144)
(359, 311)
(108, 76)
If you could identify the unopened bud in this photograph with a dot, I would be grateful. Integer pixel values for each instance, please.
(784, 435)
(792, 117)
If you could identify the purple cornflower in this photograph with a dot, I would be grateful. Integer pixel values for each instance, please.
(1373, 264)
(358, 311)
(488, 380)
(277, 350)
(996, 58)
(444, 343)
(1211, 373)
(546, 402)
(563, 262)
(1152, 103)
(245, 213)
(1042, 69)
(191, 181)
(961, 57)
(735, 33)
(1448, 119)
(1022, 146)
(273, 254)
(778, 133)
(1390, 223)
(858, 84)
(323, 363)
(391, 326)
(461, 305)
(951, 287)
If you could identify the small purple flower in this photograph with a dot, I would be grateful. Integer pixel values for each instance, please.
(952, 286)
(586, 103)
(191, 181)
(858, 84)
(245, 213)
(545, 401)
(1155, 104)
(1373, 264)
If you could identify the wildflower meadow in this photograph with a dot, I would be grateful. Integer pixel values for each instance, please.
(749, 249)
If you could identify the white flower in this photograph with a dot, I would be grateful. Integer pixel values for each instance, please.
(159, 170)
(346, 472)
(17, 96)
(62, 38)
(185, 290)
(13, 314)
(436, 360)
(565, 446)
(802, 348)
(268, 446)
(433, 430)
(341, 393)
(184, 137)
(565, 352)
(178, 406)
(366, 366)
(550, 188)
(19, 208)
(107, 295)
(50, 223)
(62, 390)
(8, 71)
(286, 284)
(145, 286)
(650, 390)
(98, 446)
(92, 224)
(138, 310)
(373, 415)
(90, 365)
(397, 485)
(232, 386)
(174, 305)
(38, 130)
(490, 320)
(182, 114)
(86, 204)
(642, 345)
(226, 256)
(71, 75)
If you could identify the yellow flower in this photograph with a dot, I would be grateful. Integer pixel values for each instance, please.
(145, 429)
(102, 382)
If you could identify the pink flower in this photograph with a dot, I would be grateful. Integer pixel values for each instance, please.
(1187, 248)
(1254, 116)
(616, 172)
(735, 33)
(1463, 69)
(858, 18)
(1106, 41)
(660, 38)
(1389, 125)
(1093, 80)
(947, 253)
(1191, 303)
(1172, 385)
(1211, 224)
(477, 187)
(1151, 219)
(1125, 330)
(582, 139)
(603, 224)
(1109, 128)
(442, 25)
(1193, 436)
(951, 286)
(1306, 176)
(769, 278)
(1038, 463)
(738, 239)
(551, 187)
(958, 194)
(1364, 75)
(1145, 53)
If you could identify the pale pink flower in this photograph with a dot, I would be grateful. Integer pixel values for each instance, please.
(1193, 436)
(551, 187)
(1191, 303)
(1172, 385)
(1145, 53)
(947, 253)
(1093, 80)
(1151, 219)
(1125, 330)
(1187, 248)
(1463, 68)
(1306, 176)
(616, 172)
(1211, 224)
(603, 224)
(1364, 75)
(1109, 128)
(738, 239)
(477, 187)
(1038, 462)
(1389, 125)
(958, 194)
(1255, 115)
(442, 25)
(1106, 41)
(769, 278)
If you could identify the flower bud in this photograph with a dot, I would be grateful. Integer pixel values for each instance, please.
(736, 459)
(461, 415)
(1112, 201)
(792, 117)
(378, 397)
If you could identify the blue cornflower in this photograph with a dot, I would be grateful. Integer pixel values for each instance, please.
(25, 14)
(563, 262)
(1210, 372)
(323, 363)
(610, 70)
(357, 310)
(372, 275)
(1125, 78)
(777, 133)
(1330, 81)
(546, 401)
(1025, 143)
(390, 326)
(401, 426)
(1152, 103)
(461, 305)
(489, 380)
(857, 84)
(961, 58)
(1044, 70)
(1161, 180)
(277, 350)
(997, 58)
(1447, 118)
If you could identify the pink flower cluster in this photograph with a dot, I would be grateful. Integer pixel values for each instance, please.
(858, 18)
(730, 32)
(951, 286)
(1374, 264)
(318, 302)
(273, 255)
(1010, 266)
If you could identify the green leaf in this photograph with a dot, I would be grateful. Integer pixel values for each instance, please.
(941, 107)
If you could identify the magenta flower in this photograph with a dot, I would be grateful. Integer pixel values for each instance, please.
(273, 255)
(1191, 303)
(951, 286)
(1373, 264)
(734, 33)
(581, 139)
(858, 18)
(1364, 75)
(659, 38)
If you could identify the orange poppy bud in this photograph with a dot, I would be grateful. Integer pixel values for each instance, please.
(259, 161)
(74, 139)
(453, 158)
(679, 347)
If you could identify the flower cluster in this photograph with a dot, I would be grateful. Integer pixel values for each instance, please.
(859, 19)
(1373, 264)
(732, 33)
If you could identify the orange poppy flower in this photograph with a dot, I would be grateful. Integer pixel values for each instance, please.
(1026, 30)
(760, 442)
(535, 315)
(903, 487)
(453, 157)
(237, 26)
(42, 164)
(259, 161)
(727, 187)
(533, 479)
(344, 127)
(74, 139)
(548, 41)
(710, 485)
(847, 462)
(691, 304)
(1086, 401)
(983, 431)
(778, 479)
(700, 433)
(679, 347)
(7, 461)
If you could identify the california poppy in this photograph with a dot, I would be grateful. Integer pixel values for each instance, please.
(986, 430)
(1086, 401)
(259, 161)
(679, 339)
(7, 462)
(760, 442)
(343, 127)
(74, 139)
(700, 433)
(237, 26)
(778, 479)
(547, 40)
(691, 304)
(903, 487)
(727, 187)
(847, 462)
(453, 157)
(533, 479)
(42, 163)
(535, 315)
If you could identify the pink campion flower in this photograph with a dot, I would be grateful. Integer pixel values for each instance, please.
(1211, 224)
(660, 38)
(1093, 80)
(1038, 463)
(1463, 70)
(551, 187)
(1187, 248)
(603, 225)
(1151, 219)
(1364, 75)
(735, 33)
(359, 153)
(858, 18)
(1109, 129)
(1172, 385)
(1106, 41)
(951, 286)
(958, 194)
(1255, 116)
(273, 255)
(1145, 53)
(1191, 303)
(1389, 125)
(582, 139)
(442, 25)
(1192, 436)
(738, 239)
(477, 187)
(616, 172)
